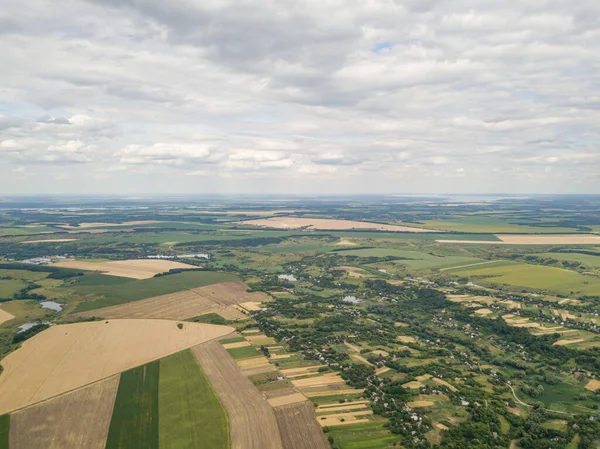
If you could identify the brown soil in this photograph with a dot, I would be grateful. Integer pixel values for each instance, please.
(252, 421)
(216, 298)
(79, 419)
(298, 427)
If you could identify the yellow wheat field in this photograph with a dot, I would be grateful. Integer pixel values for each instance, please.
(66, 357)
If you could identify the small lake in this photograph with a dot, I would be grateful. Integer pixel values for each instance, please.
(288, 277)
(25, 326)
(51, 305)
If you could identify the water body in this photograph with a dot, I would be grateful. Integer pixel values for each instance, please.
(51, 305)
(288, 277)
(25, 326)
(352, 300)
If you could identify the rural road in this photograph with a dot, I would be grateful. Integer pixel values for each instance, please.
(531, 406)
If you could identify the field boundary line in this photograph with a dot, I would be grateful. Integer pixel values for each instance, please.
(470, 265)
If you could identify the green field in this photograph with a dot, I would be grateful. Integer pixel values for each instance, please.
(533, 276)
(490, 225)
(134, 421)
(585, 259)
(190, 414)
(100, 279)
(243, 352)
(9, 287)
(27, 230)
(4, 431)
(414, 260)
(120, 293)
(370, 435)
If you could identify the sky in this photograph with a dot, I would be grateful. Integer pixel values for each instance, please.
(299, 96)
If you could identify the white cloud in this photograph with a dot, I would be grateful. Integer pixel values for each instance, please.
(486, 94)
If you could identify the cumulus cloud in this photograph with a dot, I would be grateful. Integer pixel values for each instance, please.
(398, 97)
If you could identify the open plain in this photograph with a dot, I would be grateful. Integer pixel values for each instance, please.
(66, 357)
(135, 269)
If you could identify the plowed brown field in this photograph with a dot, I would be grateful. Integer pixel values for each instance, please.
(216, 298)
(65, 357)
(252, 421)
(299, 428)
(79, 419)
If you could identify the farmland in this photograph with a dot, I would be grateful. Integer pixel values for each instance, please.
(73, 420)
(136, 269)
(65, 357)
(251, 420)
(325, 331)
(190, 412)
(114, 294)
(215, 298)
(135, 417)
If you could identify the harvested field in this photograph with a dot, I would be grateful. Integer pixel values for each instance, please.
(259, 370)
(298, 427)
(483, 312)
(336, 419)
(593, 385)
(440, 426)
(413, 385)
(316, 394)
(344, 406)
(280, 356)
(320, 381)
(444, 383)
(339, 404)
(259, 340)
(215, 298)
(135, 268)
(252, 421)
(252, 362)
(417, 404)
(48, 241)
(66, 357)
(251, 306)
(405, 339)
(524, 239)
(71, 421)
(5, 316)
(251, 331)
(302, 371)
(328, 225)
(293, 398)
(568, 342)
(239, 344)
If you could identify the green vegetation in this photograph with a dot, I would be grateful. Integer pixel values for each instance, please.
(534, 277)
(243, 352)
(191, 415)
(134, 421)
(4, 431)
(414, 259)
(120, 293)
(371, 435)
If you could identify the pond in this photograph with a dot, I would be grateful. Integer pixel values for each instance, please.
(288, 277)
(51, 305)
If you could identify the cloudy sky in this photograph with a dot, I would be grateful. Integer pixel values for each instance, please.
(299, 96)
